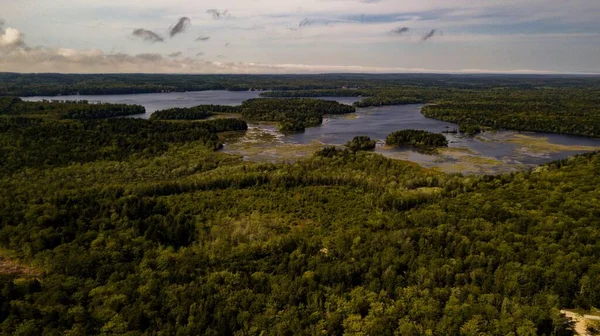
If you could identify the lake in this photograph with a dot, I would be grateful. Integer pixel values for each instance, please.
(160, 101)
(487, 153)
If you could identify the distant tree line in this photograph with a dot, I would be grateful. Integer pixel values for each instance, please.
(67, 109)
(558, 116)
(314, 93)
(384, 101)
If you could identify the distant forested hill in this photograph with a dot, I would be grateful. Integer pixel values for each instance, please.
(15, 84)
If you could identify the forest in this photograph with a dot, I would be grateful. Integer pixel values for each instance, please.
(143, 227)
(423, 86)
(67, 110)
(294, 114)
(33, 140)
(555, 116)
(192, 113)
(416, 138)
(377, 101)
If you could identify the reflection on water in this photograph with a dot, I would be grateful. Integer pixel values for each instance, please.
(488, 153)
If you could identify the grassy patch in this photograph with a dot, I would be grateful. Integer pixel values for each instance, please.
(543, 145)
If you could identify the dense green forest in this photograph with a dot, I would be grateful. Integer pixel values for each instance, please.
(195, 242)
(396, 85)
(556, 114)
(67, 110)
(416, 138)
(193, 113)
(35, 140)
(141, 227)
(294, 114)
(380, 101)
(361, 142)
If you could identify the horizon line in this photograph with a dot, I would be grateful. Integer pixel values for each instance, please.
(433, 72)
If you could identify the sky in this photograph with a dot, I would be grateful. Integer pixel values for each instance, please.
(300, 36)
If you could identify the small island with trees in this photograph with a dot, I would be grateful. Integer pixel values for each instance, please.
(293, 114)
(361, 143)
(416, 138)
(192, 113)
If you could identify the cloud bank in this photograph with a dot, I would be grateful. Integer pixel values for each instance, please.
(40, 60)
(16, 56)
(499, 34)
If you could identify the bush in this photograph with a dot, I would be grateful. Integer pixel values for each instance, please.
(361, 143)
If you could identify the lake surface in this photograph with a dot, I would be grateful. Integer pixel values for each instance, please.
(488, 153)
(159, 101)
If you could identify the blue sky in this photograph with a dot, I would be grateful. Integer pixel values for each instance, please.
(293, 36)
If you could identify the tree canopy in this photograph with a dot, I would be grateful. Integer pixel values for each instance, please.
(142, 227)
(361, 142)
(416, 138)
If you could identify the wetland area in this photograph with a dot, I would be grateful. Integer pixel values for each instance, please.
(488, 153)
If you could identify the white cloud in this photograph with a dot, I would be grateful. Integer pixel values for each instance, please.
(41, 60)
(10, 38)
(475, 33)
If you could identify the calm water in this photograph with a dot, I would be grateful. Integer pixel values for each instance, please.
(160, 101)
(490, 152)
